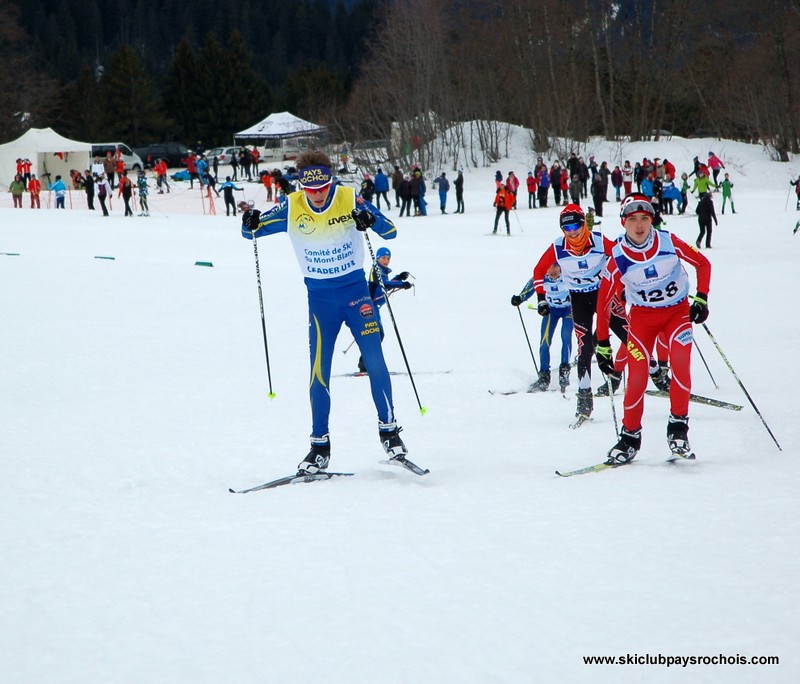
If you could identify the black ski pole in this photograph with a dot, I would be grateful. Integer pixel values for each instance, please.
(610, 388)
(705, 364)
(376, 269)
(271, 394)
(746, 393)
(530, 348)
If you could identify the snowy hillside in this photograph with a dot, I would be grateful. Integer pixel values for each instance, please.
(135, 394)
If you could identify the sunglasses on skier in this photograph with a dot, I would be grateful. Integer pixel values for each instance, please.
(572, 227)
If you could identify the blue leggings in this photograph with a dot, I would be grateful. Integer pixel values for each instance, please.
(549, 323)
(327, 310)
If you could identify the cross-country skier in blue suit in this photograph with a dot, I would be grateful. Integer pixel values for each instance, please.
(323, 220)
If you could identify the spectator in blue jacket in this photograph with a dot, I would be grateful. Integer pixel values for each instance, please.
(381, 184)
(444, 188)
(61, 192)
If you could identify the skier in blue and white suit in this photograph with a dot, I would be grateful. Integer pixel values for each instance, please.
(323, 220)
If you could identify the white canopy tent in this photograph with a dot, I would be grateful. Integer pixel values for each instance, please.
(51, 155)
(279, 127)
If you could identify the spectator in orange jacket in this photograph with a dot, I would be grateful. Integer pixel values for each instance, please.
(503, 201)
(35, 188)
(160, 170)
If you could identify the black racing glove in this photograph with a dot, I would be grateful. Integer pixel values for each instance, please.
(406, 286)
(698, 311)
(254, 216)
(403, 276)
(604, 356)
(516, 300)
(542, 307)
(363, 219)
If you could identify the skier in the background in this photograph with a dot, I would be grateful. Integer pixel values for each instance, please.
(459, 185)
(646, 264)
(323, 221)
(705, 215)
(383, 257)
(715, 164)
(796, 184)
(582, 255)
(444, 187)
(727, 193)
(141, 186)
(557, 298)
(227, 192)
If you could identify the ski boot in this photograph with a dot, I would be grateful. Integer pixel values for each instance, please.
(616, 379)
(391, 442)
(660, 377)
(361, 366)
(625, 450)
(585, 403)
(318, 458)
(563, 376)
(542, 383)
(678, 438)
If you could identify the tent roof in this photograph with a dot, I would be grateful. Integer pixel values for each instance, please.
(280, 125)
(46, 140)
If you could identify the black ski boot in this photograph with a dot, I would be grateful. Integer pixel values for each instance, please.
(616, 379)
(391, 442)
(678, 438)
(318, 458)
(625, 450)
(660, 377)
(542, 383)
(585, 403)
(563, 376)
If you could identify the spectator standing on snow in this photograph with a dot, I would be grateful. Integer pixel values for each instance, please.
(88, 186)
(126, 192)
(543, 179)
(444, 187)
(583, 177)
(598, 195)
(397, 179)
(627, 177)
(616, 181)
(531, 184)
(97, 166)
(459, 185)
(17, 188)
(512, 185)
(555, 182)
(575, 190)
(110, 168)
(141, 186)
(382, 189)
(367, 188)
(605, 174)
(405, 196)
(103, 191)
(35, 189)
(60, 190)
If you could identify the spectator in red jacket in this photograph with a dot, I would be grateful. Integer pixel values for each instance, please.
(531, 183)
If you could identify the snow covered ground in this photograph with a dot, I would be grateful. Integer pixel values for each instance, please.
(135, 393)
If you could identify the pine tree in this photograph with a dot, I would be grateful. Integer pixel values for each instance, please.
(181, 96)
(131, 110)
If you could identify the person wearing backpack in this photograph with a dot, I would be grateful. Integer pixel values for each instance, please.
(103, 191)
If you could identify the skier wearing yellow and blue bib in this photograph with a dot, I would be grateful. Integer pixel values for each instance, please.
(323, 220)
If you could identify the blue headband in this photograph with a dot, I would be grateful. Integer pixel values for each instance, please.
(315, 176)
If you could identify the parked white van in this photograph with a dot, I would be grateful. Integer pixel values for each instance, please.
(131, 159)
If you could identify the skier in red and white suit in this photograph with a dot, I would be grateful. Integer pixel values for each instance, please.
(647, 264)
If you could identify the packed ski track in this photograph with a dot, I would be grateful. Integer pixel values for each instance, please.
(135, 396)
